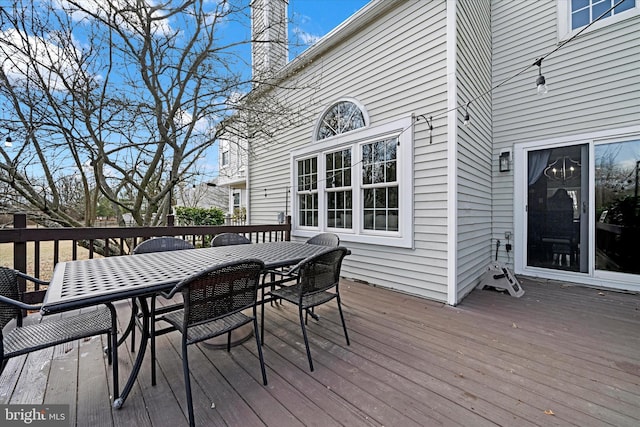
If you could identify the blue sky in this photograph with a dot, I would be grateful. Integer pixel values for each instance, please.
(309, 21)
(312, 19)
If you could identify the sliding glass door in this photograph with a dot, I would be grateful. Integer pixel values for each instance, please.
(582, 209)
(617, 211)
(557, 208)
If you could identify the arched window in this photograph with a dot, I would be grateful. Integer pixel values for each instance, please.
(356, 179)
(341, 117)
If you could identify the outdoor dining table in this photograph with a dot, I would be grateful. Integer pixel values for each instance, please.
(84, 283)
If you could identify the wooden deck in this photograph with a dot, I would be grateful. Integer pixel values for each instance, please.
(560, 355)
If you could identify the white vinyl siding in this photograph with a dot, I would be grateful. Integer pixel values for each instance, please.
(594, 86)
(396, 67)
(269, 23)
(474, 150)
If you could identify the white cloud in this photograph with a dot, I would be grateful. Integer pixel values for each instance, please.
(104, 9)
(49, 53)
(306, 38)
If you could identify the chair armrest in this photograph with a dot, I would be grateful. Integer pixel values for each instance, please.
(168, 295)
(289, 272)
(30, 278)
(19, 304)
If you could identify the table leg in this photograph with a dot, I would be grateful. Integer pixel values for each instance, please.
(117, 404)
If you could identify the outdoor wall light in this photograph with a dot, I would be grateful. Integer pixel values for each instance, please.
(541, 83)
(505, 161)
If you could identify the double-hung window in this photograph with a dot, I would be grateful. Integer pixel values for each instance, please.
(338, 189)
(574, 15)
(380, 185)
(357, 185)
(307, 190)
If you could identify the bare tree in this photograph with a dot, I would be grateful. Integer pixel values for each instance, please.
(124, 96)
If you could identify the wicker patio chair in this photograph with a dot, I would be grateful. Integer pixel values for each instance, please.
(40, 332)
(277, 278)
(317, 282)
(162, 244)
(324, 239)
(226, 239)
(213, 303)
(157, 244)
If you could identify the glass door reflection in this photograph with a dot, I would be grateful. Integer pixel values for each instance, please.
(617, 222)
(557, 206)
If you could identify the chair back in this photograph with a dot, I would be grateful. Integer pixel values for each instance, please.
(324, 239)
(9, 289)
(162, 244)
(559, 222)
(227, 239)
(322, 271)
(220, 290)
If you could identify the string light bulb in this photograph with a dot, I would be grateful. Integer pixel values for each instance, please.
(541, 82)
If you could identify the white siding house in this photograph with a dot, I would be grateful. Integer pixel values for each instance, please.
(232, 159)
(589, 120)
(423, 210)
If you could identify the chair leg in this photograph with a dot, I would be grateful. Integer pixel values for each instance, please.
(262, 319)
(113, 336)
(273, 279)
(130, 326)
(258, 343)
(304, 334)
(152, 327)
(109, 350)
(187, 381)
(134, 314)
(344, 325)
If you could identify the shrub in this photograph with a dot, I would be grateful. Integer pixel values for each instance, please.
(199, 216)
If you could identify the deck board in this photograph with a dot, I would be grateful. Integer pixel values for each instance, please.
(561, 355)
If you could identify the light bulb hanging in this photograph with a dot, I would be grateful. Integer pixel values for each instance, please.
(541, 82)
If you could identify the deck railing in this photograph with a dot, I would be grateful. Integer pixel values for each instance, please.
(112, 241)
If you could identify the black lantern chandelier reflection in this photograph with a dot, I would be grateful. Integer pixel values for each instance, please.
(563, 169)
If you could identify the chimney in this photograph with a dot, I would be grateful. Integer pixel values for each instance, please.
(269, 47)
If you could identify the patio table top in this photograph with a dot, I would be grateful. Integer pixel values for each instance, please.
(77, 284)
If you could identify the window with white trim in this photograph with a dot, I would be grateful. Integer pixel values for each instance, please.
(307, 190)
(576, 14)
(359, 187)
(380, 185)
(338, 189)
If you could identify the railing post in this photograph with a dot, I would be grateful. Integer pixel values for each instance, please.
(20, 248)
(287, 234)
(171, 220)
(20, 256)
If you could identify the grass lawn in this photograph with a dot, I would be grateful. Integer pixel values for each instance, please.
(46, 256)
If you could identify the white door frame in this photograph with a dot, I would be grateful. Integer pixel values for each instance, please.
(592, 277)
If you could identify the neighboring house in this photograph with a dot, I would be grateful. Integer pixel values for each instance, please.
(232, 158)
(203, 195)
(422, 209)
